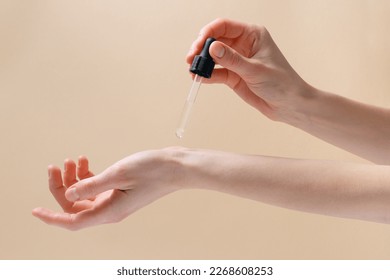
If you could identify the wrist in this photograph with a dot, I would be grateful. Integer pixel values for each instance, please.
(181, 165)
(304, 107)
(193, 168)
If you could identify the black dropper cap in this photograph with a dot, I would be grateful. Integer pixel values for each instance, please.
(203, 64)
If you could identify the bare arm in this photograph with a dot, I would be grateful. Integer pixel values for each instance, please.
(347, 190)
(359, 128)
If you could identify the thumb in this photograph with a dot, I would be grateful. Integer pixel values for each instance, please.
(229, 58)
(88, 188)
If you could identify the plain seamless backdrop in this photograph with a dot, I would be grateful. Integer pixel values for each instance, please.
(108, 78)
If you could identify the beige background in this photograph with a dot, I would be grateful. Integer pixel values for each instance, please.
(108, 78)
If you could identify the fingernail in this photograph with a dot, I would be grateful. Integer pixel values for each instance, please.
(72, 195)
(219, 50)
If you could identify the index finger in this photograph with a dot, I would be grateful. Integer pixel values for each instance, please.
(57, 187)
(219, 29)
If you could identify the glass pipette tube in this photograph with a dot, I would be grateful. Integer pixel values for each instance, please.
(188, 106)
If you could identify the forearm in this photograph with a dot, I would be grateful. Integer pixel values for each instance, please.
(337, 189)
(356, 127)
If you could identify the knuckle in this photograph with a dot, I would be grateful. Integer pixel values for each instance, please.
(235, 60)
(261, 28)
(91, 183)
(220, 21)
(260, 33)
(211, 28)
(88, 188)
(119, 171)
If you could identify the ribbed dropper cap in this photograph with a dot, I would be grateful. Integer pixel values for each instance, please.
(203, 64)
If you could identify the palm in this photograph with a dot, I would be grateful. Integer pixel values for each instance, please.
(84, 211)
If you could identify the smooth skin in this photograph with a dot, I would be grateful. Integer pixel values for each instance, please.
(254, 67)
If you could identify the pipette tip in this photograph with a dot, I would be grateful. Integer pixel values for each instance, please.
(180, 133)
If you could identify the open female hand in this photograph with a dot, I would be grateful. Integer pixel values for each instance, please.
(110, 196)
